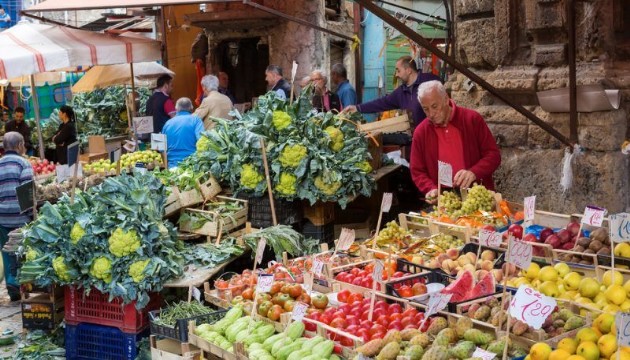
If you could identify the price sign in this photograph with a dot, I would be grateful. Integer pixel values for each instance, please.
(158, 142)
(196, 294)
(318, 267)
(143, 124)
(377, 273)
(386, 204)
(622, 323)
(73, 153)
(520, 253)
(619, 227)
(24, 194)
(489, 238)
(483, 354)
(529, 208)
(114, 156)
(593, 216)
(63, 173)
(140, 168)
(346, 238)
(437, 302)
(445, 174)
(264, 283)
(531, 307)
(299, 310)
(260, 249)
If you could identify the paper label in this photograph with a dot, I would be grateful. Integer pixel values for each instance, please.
(346, 239)
(73, 153)
(520, 253)
(529, 208)
(196, 294)
(318, 267)
(619, 227)
(114, 156)
(143, 124)
(260, 249)
(531, 307)
(594, 216)
(377, 273)
(24, 194)
(158, 142)
(437, 302)
(445, 174)
(140, 168)
(483, 354)
(63, 173)
(622, 323)
(264, 283)
(489, 238)
(299, 310)
(386, 204)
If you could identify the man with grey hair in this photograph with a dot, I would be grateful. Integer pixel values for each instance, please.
(182, 133)
(345, 91)
(276, 83)
(15, 170)
(323, 99)
(453, 135)
(214, 103)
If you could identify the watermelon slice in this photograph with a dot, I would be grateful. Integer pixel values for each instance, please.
(460, 287)
(485, 286)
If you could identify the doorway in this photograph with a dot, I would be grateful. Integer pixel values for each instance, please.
(245, 61)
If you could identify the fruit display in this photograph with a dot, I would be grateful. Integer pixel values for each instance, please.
(363, 276)
(452, 263)
(42, 167)
(148, 157)
(102, 166)
(598, 243)
(51, 191)
(392, 235)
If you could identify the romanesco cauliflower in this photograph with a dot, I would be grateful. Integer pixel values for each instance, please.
(76, 233)
(287, 183)
(123, 243)
(281, 119)
(61, 269)
(364, 166)
(336, 137)
(292, 155)
(326, 188)
(203, 144)
(31, 254)
(250, 178)
(102, 269)
(136, 270)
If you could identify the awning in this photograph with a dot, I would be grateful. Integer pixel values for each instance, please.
(57, 5)
(34, 48)
(100, 77)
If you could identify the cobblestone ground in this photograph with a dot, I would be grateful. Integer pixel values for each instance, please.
(10, 318)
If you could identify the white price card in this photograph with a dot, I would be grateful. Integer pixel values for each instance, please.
(140, 168)
(386, 204)
(529, 208)
(520, 253)
(143, 124)
(593, 216)
(531, 307)
(260, 250)
(318, 267)
(196, 293)
(264, 283)
(377, 273)
(158, 142)
(346, 238)
(619, 227)
(437, 302)
(114, 156)
(483, 354)
(299, 310)
(622, 323)
(489, 238)
(445, 174)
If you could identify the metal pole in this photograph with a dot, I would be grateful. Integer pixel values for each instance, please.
(573, 116)
(36, 109)
(411, 34)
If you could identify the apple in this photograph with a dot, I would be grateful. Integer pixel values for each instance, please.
(530, 238)
(573, 228)
(554, 241)
(516, 230)
(544, 234)
(564, 236)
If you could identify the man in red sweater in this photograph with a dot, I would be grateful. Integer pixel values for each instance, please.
(454, 135)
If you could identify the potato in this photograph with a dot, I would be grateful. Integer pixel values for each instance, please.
(584, 242)
(595, 245)
(599, 234)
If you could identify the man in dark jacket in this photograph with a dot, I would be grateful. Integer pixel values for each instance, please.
(404, 97)
(277, 84)
(160, 105)
(19, 125)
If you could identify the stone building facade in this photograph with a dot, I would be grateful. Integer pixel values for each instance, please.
(520, 47)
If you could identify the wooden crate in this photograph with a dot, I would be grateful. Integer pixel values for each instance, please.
(415, 223)
(210, 188)
(40, 313)
(208, 346)
(321, 213)
(172, 205)
(219, 223)
(388, 126)
(169, 349)
(375, 148)
(324, 331)
(461, 232)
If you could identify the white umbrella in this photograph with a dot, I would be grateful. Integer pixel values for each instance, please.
(100, 77)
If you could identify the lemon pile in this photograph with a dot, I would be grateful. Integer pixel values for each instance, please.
(146, 157)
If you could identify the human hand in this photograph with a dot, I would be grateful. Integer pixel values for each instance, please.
(464, 178)
(431, 196)
(349, 109)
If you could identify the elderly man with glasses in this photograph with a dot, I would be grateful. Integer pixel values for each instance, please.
(324, 99)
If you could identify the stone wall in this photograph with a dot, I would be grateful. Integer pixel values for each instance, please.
(520, 47)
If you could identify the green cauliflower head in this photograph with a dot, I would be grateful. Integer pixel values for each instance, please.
(76, 233)
(31, 254)
(61, 269)
(292, 155)
(287, 184)
(327, 188)
(136, 270)
(250, 178)
(364, 166)
(123, 243)
(102, 269)
(281, 119)
(336, 137)
(203, 144)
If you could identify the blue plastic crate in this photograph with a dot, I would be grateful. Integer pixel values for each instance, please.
(98, 342)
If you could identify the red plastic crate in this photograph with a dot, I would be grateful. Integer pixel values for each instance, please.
(96, 308)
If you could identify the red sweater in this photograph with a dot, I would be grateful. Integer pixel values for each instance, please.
(481, 154)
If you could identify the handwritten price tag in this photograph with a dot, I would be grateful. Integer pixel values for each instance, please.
(299, 310)
(445, 174)
(377, 273)
(622, 322)
(318, 267)
(531, 307)
(196, 294)
(260, 249)
(346, 238)
(489, 238)
(594, 216)
(264, 283)
(520, 253)
(386, 204)
(483, 354)
(620, 227)
(437, 302)
(529, 209)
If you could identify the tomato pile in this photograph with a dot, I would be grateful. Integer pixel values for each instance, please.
(41, 167)
(240, 284)
(282, 298)
(363, 276)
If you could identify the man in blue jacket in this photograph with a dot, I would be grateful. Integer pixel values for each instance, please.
(182, 133)
(405, 96)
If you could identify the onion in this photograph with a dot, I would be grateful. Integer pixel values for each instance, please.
(573, 228)
(544, 234)
(564, 235)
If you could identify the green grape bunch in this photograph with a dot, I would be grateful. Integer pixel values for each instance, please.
(479, 199)
(391, 233)
(450, 202)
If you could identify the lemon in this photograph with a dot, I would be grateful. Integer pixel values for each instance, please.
(568, 344)
(562, 268)
(627, 286)
(623, 355)
(616, 294)
(575, 357)
(589, 287)
(625, 306)
(572, 281)
(599, 297)
(607, 345)
(559, 355)
(604, 322)
(549, 288)
(547, 273)
(540, 351)
(607, 279)
(588, 350)
(586, 335)
(532, 272)
(611, 308)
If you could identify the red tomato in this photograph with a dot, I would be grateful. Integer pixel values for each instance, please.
(411, 312)
(337, 349)
(363, 332)
(378, 312)
(352, 329)
(366, 283)
(352, 320)
(377, 328)
(418, 318)
(356, 281)
(339, 323)
(345, 308)
(339, 314)
(383, 320)
(395, 316)
(410, 326)
(355, 271)
(333, 336)
(342, 296)
(364, 273)
(314, 315)
(380, 304)
(354, 297)
(309, 326)
(356, 312)
(345, 341)
(366, 324)
(365, 338)
(405, 291)
(394, 308)
(324, 319)
(406, 321)
(365, 307)
(395, 325)
(365, 315)
(397, 274)
(330, 311)
(341, 276)
(366, 301)
(378, 335)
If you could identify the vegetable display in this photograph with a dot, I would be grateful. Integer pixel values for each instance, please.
(282, 238)
(181, 310)
(209, 255)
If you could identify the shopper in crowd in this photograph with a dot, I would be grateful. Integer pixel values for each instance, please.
(160, 105)
(15, 170)
(18, 124)
(404, 97)
(66, 134)
(454, 135)
(5, 19)
(182, 132)
(224, 86)
(345, 91)
(214, 104)
(277, 84)
(5, 119)
(323, 99)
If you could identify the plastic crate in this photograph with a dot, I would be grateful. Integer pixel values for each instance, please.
(259, 212)
(412, 268)
(323, 233)
(96, 308)
(98, 342)
(180, 331)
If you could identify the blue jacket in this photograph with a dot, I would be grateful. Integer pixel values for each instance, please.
(182, 133)
(404, 97)
(346, 94)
